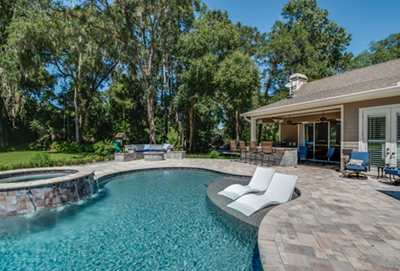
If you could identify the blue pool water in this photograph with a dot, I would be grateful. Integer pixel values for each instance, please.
(158, 220)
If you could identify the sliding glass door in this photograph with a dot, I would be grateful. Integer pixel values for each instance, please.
(320, 136)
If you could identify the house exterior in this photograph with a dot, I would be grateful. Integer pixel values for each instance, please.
(357, 110)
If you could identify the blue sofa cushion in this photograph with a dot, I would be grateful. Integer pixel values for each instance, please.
(392, 171)
(356, 168)
(148, 150)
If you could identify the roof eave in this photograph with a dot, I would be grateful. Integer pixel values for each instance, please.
(348, 98)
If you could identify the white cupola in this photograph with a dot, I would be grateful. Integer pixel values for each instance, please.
(295, 82)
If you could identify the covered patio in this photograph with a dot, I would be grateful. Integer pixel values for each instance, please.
(317, 129)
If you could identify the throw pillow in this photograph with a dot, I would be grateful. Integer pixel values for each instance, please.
(355, 162)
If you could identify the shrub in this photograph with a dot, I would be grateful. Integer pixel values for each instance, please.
(55, 146)
(214, 155)
(85, 148)
(104, 148)
(173, 138)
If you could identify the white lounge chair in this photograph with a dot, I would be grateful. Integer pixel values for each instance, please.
(279, 191)
(260, 181)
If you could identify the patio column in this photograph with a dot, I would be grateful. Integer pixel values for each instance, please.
(253, 129)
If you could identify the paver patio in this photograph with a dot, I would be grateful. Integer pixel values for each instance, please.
(336, 224)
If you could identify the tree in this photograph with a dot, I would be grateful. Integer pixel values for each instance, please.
(135, 26)
(20, 73)
(305, 41)
(79, 53)
(378, 52)
(237, 81)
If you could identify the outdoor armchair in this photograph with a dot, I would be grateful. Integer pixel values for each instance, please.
(359, 162)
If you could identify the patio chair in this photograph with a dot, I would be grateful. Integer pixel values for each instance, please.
(328, 155)
(259, 182)
(279, 191)
(243, 151)
(393, 172)
(359, 161)
(267, 151)
(253, 151)
(303, 150)
(234, 149)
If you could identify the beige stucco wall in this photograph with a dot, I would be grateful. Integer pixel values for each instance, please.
(289, 133)
(351, 119)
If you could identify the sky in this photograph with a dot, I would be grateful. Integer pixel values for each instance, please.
(366, 20)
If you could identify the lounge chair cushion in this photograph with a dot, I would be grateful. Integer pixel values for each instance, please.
(356, 162)
(392, 171)
(356, 167)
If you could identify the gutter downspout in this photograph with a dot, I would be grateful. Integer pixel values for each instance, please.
(246, 119)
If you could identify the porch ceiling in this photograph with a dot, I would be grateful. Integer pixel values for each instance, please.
(309, 116)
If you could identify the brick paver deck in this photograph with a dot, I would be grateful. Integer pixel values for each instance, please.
(336, 224)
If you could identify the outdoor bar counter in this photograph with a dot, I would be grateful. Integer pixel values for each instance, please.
(284, 156)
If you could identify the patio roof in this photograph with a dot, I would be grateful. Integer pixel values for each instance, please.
(384, 77)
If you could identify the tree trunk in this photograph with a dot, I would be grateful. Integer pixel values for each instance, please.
(192, 126)
(237, 124)
(177, 108)
(150, 115)
(150, 118)
(77, 138)
(82, 121)
(5, 134)
(165, 97)
(1, 125)
(123, 117)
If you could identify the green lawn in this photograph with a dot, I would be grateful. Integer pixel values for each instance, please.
(12, 158)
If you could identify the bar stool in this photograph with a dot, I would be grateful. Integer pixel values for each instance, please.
(267, 150)
(234, 149)
(253, 150)
(243, 151)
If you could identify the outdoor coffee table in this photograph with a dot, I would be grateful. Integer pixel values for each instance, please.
(154, 156)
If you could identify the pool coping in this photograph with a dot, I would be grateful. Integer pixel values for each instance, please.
(79, 173)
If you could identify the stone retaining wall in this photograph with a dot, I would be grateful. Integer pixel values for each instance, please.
(175, 155)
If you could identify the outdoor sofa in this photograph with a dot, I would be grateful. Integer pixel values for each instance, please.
(148, 148)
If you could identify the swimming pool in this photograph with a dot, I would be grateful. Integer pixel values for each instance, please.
(154, 220)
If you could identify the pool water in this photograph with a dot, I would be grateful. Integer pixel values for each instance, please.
(33, 177)
(155, 220)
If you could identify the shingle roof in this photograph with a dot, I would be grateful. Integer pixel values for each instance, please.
(381, 75)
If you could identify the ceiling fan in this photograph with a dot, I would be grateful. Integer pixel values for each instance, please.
(323, 118)
(290, 122)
